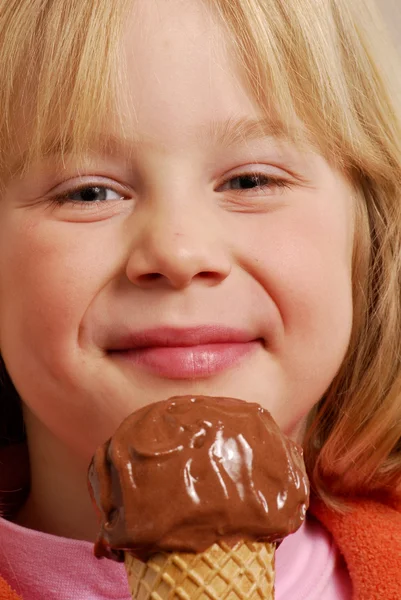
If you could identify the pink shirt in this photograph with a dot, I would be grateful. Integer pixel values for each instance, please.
(38, 566)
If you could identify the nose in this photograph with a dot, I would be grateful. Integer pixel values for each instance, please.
(174, 248)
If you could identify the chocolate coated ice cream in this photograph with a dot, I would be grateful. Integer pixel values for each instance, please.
(182, 474)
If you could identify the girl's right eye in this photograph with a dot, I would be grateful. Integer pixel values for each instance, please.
(89, 194)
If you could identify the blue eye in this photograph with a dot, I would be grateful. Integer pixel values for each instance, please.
(89, 194)
(247, 182)
(252, 181)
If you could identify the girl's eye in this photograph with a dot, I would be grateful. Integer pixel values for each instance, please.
(250, 181)
(89, 194)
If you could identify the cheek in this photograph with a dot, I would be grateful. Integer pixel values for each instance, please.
(49, 274)
(314, 295)
(312, 274)
(303, 260)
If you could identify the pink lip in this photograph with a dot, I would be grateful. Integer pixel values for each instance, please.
(196, 352)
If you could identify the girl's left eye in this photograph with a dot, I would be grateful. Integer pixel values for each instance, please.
(89, 194)
(250, 181)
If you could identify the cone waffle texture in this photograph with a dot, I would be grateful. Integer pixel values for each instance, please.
(242, 572)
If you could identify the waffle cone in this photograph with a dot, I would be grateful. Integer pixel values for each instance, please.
(242, 572)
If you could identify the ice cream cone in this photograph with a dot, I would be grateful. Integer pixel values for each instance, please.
(242, 572)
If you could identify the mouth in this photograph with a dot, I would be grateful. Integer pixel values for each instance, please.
(187, 353)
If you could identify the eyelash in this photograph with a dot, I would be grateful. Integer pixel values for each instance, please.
(271, 182)
(64, 198)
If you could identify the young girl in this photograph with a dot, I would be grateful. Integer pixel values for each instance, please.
(199, 197)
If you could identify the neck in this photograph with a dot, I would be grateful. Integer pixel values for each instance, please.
(59, 502)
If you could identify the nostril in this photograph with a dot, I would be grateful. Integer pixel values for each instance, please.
(211, 276)
(151, 276)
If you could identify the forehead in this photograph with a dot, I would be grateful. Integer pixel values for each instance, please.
(172, 71)
(181, 82)
(182, 71)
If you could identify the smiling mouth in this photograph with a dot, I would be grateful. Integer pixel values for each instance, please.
(186, 353)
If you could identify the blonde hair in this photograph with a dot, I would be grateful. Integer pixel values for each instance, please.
(323, 62)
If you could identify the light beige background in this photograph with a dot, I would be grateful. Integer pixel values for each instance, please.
(392, 12)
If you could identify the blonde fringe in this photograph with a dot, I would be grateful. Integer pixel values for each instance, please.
(59, 58)
(324, 62)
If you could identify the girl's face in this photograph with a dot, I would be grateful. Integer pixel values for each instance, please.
(198, 254)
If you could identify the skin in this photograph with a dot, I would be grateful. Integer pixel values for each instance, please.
(176, 245)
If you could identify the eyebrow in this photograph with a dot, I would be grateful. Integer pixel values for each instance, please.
(227, 133)
(236, 130)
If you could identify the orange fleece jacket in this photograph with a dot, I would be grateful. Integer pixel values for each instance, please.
(369, 537)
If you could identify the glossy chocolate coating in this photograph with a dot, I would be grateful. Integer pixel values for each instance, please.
(182, 474)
